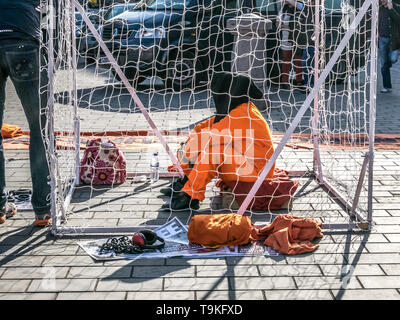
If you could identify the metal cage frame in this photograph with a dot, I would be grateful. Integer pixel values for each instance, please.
(59, 214)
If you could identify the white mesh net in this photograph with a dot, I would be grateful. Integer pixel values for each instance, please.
(169, 51)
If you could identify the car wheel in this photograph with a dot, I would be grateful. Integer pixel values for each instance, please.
(182, 72)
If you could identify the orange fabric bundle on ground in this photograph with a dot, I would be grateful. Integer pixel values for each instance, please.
(290, 235)
(220, 230)
(10, 131)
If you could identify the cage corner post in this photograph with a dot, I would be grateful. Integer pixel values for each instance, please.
(372, 107)
(317, 166)
(50, 119)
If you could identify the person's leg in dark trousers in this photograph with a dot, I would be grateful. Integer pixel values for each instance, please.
(22, 59)
(3, 78)
(308, 64)
(386, 64)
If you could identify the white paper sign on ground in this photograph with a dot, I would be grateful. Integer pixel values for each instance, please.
(177, 245)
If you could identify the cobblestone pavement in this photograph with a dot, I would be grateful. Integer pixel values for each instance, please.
(345, 266)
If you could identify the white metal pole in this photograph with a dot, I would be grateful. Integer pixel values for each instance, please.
(317, 167)
(372, 105)
(50, 109)
(305, 106)
(75, 95)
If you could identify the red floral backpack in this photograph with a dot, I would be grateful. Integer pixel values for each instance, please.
(102, 163)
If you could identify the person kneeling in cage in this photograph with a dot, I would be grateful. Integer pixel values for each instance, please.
(233, 145)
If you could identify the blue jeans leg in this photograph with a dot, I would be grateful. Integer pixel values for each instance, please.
(3, 194)
(20, 61)
(308, 66)
(386, 63)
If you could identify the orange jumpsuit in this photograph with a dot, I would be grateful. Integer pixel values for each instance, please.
(235, 149)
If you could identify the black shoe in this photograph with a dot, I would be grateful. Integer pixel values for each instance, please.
(182, 201)
(174, 187)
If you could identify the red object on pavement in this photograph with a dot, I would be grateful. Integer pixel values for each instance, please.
(138, 239)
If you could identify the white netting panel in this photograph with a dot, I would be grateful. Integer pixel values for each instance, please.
(169, 50)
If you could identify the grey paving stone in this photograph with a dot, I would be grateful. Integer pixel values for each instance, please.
(137, 262)
(383, 248)
(315, 294)
(230, 295)
(258, 283)
(25, 240)
(195, 262)
(28, 296)
(69, 261)
(391, 269)
(316, 258)
(324, 282)
(164, 271)
(380, 282)
(341, 248)
(378, 258)
(227, 271)
(393, 237)
(34, 272)
(154, 296)
(91, 296)
(394, 213)
(211, 283)
(357, 238)
(366, 294)
(351, 269)
(131, 284)
(289, 270)
(258, 260)
(14, 285)
(21, 261)
(99, 272)
(58, 285)
(387, 220)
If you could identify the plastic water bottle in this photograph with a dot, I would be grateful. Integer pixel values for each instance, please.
(154, 167)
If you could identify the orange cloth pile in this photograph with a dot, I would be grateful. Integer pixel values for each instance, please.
(10, 131)
(290, 235)
(286, 234)
(220, 230)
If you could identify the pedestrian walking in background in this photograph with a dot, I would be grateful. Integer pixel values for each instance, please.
(292, 41)
(388, 38)
(308, 30)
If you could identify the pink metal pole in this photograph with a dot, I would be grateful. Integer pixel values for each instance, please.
(129, 87)
(317, 32)
(372, 106)
(305, 106)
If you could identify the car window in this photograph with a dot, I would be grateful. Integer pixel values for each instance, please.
(333, 4)
(166, 4)
(266, 5)
(232, 4)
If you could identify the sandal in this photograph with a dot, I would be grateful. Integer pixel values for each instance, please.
(43, 221)
(9, 210)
